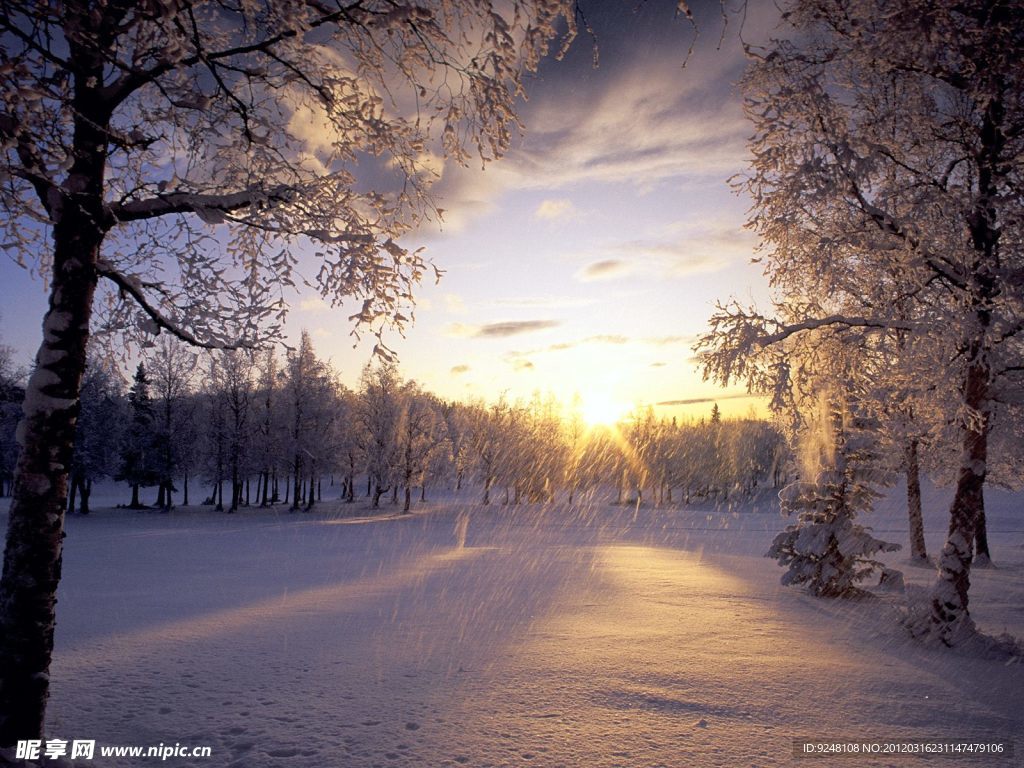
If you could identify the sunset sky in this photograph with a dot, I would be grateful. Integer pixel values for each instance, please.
(587, 260)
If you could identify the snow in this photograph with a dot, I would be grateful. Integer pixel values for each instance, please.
(464, 635)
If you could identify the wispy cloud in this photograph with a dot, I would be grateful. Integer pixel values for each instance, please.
(606, 269)
(550, 210)
(457, 370)
(546, 302)
(453, 304)
(603, 338)
(650, 125)
(691, 248)
(499, 330)
(699, 400)
(314, 304)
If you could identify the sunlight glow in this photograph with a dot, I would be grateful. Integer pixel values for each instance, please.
(600, 409)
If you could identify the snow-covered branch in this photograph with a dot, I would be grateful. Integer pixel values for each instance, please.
(134, 288)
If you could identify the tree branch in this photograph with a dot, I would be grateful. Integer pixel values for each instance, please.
(134, 289)
(823, 322)
(192, 202)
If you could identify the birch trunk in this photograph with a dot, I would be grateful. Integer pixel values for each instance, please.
(35, 529)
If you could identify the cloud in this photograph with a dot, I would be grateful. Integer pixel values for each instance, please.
(499, 330)
(314, 304)
(514, 328)
(606, 269)
(522, 365)
(549, 210)
(454, 304)
(459, 369)
(604, 338)
(548, 302)
(664, 341)
(648, 126)
(658, 364)
(684, 249)
(699, 400)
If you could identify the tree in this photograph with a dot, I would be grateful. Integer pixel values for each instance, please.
(172, 366)
(840, 473)
(11, 395)
(140, 140)
(139, 453)
(378, 413)
(268, 417)
(234, 394)
(97, 433)
(419, 435)
(887, 186)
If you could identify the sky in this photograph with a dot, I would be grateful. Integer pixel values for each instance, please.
(585, 263)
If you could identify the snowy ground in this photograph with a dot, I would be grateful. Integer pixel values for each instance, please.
(476, 636)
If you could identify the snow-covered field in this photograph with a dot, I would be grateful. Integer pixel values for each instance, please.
(498, 636)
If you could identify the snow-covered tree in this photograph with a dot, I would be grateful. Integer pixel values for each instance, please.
(268, 426)
(233, 386)
(419, 436)
(457, 425)
(139, 454)
(97, 433)
(184, 153)
(888, 189)
(378, 414)
(826, 549)
(171, 367)
(486, 436)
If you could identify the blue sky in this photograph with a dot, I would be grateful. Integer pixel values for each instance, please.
(587, 260)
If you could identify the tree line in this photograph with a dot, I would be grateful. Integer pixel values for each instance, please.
(234, 429)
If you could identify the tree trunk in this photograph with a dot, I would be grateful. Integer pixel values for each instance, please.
(135, 503)
(184, 489)
(918, 552)
(85, 490)
(949, 615)
(408, 498)
(161, 496)
(35, 525)
(423, 491)
(313, 484)
(71, 493)
(982, 557)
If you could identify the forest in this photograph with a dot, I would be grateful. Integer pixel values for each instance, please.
(236, 429)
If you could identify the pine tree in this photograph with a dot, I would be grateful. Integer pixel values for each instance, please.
(825, 549)
(139, 453)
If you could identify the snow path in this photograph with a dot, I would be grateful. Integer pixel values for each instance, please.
(542, 640)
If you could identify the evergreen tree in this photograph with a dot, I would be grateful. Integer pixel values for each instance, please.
(825, 549)
(139, 453)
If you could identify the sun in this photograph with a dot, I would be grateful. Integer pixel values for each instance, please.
(600, 409)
